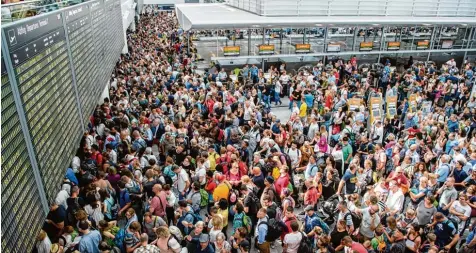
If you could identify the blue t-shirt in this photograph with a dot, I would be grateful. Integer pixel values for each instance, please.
(309, 100)
(443, 170)
(444, 231)
(90, 243)
(124, 198)
(350, 180)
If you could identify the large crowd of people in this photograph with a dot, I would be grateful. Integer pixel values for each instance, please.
(177, 160)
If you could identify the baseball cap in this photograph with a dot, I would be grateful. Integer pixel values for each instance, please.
(308, 208)
(203, 238)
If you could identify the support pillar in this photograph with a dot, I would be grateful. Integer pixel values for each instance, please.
(249, 42)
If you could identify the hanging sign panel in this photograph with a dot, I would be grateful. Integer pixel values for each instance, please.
(447, 44)
(333, 47)
(303, 48)
(366, 46)
(266, 49)
(421, 45)
(393, 45)
(231, 51)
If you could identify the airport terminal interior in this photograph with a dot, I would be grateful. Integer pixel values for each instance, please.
(235, 126)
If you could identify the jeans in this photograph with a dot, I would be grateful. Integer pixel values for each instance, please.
(290, 104)
(277, 98)
(266, 100)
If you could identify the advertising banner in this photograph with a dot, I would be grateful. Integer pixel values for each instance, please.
(366, 46)
(231, 51)
(303, 48)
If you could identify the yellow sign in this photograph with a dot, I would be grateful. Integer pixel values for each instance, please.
(393, 45)
(303, 48)
(391, 106)
(425, 44)
(375, 109)
(354, 103)
(231, 51)
(366, 46)
(266, 49)
(412, 102)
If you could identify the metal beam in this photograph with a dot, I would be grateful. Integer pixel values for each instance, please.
(344, 53)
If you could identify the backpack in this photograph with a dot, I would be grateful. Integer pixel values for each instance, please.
(119, 239)
(90, 165)
(256, 204)
(305, 244)
(288, 159)
(221, 135)
(275, 229)
(247, 223)
(135, 189)
(203, 199)
(114, 210)
(356, 220)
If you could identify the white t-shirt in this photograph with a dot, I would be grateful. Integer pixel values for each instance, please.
(294, 155)
(182, 179)
(292, 240)
(284, 79)
(465, 210)
(201, 172)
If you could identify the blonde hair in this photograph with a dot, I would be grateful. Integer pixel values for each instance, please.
(245, 179)
(217, 222)
(162, 232)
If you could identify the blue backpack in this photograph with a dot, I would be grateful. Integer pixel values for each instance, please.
(119, 239)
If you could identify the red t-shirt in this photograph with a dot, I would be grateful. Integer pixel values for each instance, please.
(358, 247)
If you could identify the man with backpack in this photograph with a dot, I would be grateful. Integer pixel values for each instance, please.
(261, 232)
(446, 232)
(187, 219)
(311, 220)
(251, 203)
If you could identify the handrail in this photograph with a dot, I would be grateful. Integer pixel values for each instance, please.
(430, 8)
(20, 3)
(21, 10)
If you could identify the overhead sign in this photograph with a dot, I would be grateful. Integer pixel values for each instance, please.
(303, 48)
(393, 45)
(425, 44)
(391, 106)
(333, 47)
(366, 46)
(447, 44)
(266, 49)
(231, 51)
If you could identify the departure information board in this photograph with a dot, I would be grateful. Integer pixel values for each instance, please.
(98, 21)
(20, 196)
(78, 27)
(51, 56)
(40, 60)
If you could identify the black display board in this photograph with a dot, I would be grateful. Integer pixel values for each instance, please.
(44, 78)
(57, 60)
(78, 27)
(20, 196)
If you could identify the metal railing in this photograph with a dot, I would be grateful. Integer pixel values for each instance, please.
(414, 8)
(20, 10)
